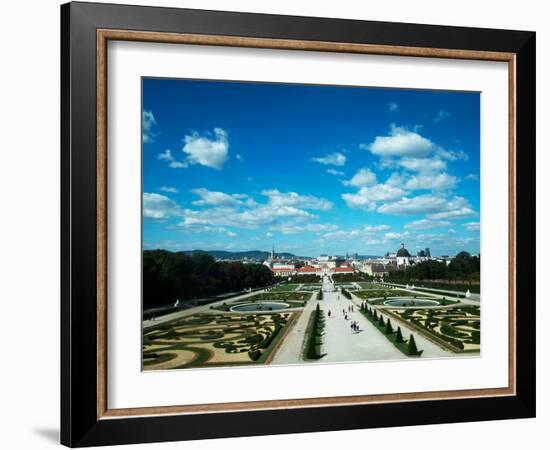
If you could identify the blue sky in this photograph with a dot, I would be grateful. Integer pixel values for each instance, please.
(311, 169)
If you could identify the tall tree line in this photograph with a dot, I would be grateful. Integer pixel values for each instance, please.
(168, 276)
(462, 268)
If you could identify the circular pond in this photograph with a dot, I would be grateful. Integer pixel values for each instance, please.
(259, 307)
(411, 302)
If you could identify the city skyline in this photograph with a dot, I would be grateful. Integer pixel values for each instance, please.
(238, 166)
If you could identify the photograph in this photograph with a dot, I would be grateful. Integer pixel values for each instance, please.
(287, 223)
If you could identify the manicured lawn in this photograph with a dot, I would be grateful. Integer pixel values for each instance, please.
(474, 288)
(376, 293)
(285, 288)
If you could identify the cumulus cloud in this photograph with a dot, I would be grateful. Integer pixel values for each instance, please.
(451, 214)
(435, 182)
(420, 204)
(169, 189)
(472, 176)
(367, 197)
(148, 124)
(400, 142)
(332, 159)
(335, 172)
(215, 198)
(167, 156)
(392, 236)
(210, 150)
(435, 206)
(364, 177)
(280, 199)
(282, 211)
(291, 228)
(452, 155)
(206, 150)
(425, 224)
(471, 226)
(160, 207)
(434, 164)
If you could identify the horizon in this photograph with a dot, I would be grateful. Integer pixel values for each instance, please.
(231, 166)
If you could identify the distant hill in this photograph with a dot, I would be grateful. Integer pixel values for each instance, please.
(252, 254)
(256, 254)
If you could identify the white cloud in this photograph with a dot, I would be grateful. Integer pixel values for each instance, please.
(421, 204)
(268, 234)
(166, 155)
(332, 159)
(157, 206)
(238, 157)
(207, 151)
(364, 177)
(423, 164)
(169, 189)
(148, 123)
(400, 142)
(472, 176)
(231, 234)
(436, 206)
(291, 228)
(471, 226)
(442, 114)
(393, 107)
(374, 228)
(367, 197)
(457, 213)
(338, 173)
(392, 236)
(452, 155)
(451, 231)
(434, 182)
(282, 199)
(425, 224)
(239, 210)
(215, 198)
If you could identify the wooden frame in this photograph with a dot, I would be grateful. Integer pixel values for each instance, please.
(86, 29)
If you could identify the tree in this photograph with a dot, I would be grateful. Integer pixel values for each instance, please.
(411, 349)
(399, 336)
(389, 329)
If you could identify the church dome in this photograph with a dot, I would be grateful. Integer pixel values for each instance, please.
(403, 252)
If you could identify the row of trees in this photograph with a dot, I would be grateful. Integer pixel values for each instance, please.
(168, 276)
(462, 268)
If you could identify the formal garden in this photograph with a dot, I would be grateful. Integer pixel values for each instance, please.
(381, 293)
(204, 340)
(456, 328)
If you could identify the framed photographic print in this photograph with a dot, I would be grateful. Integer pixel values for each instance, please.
(277, 224)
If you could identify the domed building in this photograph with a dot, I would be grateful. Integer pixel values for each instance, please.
(403, 256)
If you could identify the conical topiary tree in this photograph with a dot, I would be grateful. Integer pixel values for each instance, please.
(399, 337)
(412, 350)
(389, 329)
(375, 316)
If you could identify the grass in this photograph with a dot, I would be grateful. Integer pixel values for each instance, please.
(285, 288)
(377, 293)
(403, 347)
(459, 287)
(442, 301)
(367, 285)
